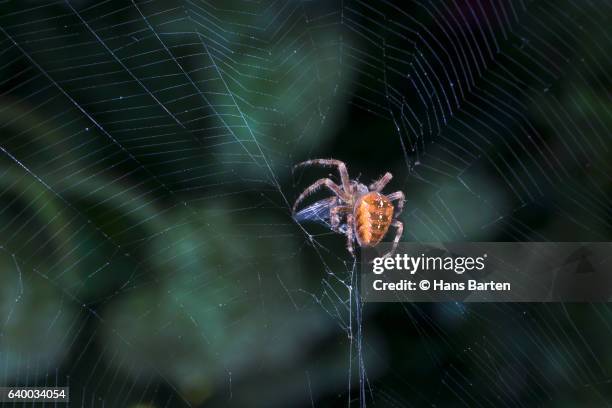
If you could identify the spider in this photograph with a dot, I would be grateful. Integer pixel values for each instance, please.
(368, 212)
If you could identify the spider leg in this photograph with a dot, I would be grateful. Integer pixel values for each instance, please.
(350, 239)
(401, 199)
(335, 215)
(344, 177)
(398, 234)
(379, 184)
(319, 183)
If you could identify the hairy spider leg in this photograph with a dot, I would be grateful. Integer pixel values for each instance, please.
(350, 238)
(344, 177)
(334, 215)
(398, 234)
(401, 199)
(379, 184)
(316, 185)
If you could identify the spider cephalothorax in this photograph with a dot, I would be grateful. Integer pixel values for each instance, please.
(368, 212)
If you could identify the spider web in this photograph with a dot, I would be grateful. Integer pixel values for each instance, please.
(148, 250)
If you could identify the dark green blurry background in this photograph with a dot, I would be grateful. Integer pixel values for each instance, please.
(148, 254)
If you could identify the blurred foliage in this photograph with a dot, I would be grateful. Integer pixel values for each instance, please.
(35, 323)
(152, 263)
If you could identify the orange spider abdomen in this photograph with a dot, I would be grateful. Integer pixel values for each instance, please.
(373, 216)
